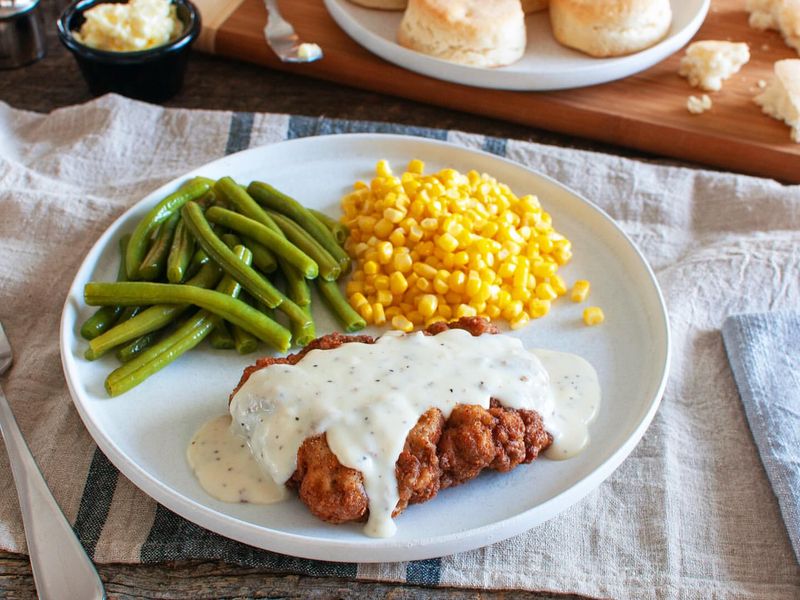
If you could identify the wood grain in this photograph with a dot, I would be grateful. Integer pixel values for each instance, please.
(646, 112)
(204, 580)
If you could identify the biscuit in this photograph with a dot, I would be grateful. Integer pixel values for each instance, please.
(605, 28)
(470, 32)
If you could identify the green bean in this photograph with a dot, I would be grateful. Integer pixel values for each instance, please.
(297, 286)
(224, 257)
(155, 358)
(137, 346)
(137, 247)
(237, 195)
(292, 310)
(339, 230)
(104, 319)
(221, 338)
(186, 337)
(151, 319)
(239, 313)
(351, 320)
(267, 195)
(303, 334)
(155, 260)
(231, 240)
(128, 313)
(264, 235)
(263, 259)
(244, 203)
(244, 341)
(328, 267)
(180, 254)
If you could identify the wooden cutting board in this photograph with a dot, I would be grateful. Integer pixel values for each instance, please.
(646, 111)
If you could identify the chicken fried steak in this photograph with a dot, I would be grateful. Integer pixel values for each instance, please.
(437, 454)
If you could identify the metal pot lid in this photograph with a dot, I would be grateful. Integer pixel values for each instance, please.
(13, 8)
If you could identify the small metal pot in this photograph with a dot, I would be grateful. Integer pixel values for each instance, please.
(22, 39)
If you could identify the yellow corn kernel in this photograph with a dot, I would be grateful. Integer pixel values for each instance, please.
(354, 287)
(383, 228)
(434, 319)
(402, 262)
(465, 310)
(416, 317)
(558, 284)
(440, 285)
(453, 298)
(393, 215)
(520, 277)
(444, 309)
(544, 269)
(365, 310)
(382, 169)
(416, 166)
(473, 285)
(537, 308)
(521, 294)
(456, 281)
(398, 238)
(447, 242)
(402, 323)
(425, 270)
(384, 252)
(415, 233)
(512, 310)
(520, 321)
(385, 297)
(580, 290)
(427, 305)
(460, 258)
(378, 314)
(381, 282)
(423, 284)
(357, 300)
(391, 311)
(545, 291)
(371, 267)
(493, 311)
(397, 283)
(366, 224)
(593, 315)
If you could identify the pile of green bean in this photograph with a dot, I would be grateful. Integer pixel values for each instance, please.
(216, 260)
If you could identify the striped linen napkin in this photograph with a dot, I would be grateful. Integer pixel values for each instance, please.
(764, 350)
(690, 514)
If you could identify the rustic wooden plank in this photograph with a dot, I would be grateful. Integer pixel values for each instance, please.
(646, 112)
(208, 580)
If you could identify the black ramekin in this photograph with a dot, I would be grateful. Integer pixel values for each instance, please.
(154, 75)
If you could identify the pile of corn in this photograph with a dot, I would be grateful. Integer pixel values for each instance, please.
(438, 247)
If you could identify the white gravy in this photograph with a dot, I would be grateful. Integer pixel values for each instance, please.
(367, 397)
(224, 466)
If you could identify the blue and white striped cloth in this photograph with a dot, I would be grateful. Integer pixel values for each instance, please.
(764, 350)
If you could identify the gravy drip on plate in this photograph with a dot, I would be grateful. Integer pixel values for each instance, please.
(225, 467)
(367, 397)
(576, 398)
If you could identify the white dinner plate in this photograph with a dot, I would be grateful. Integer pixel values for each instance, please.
(546, 65)
(145, 431)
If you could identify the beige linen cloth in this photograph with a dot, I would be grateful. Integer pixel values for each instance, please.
(690, 514)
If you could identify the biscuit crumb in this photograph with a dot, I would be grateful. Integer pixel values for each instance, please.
(697, 106)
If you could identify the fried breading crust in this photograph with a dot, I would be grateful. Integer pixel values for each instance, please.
(437, 454)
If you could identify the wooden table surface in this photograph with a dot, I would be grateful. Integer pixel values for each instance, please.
(55, 82)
